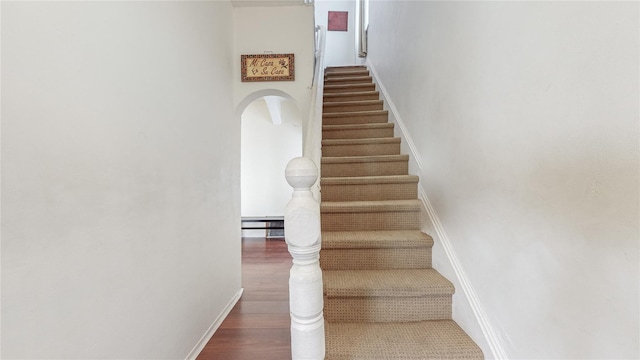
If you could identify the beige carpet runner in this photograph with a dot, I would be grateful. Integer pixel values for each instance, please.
(382, 299)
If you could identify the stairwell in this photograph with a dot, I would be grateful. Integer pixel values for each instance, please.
(382, 298)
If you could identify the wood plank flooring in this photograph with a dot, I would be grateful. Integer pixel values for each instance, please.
(258, 326)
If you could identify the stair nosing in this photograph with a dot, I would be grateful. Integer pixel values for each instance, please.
(376, 179)
(341, 86)
(367, 126)
(354, 93)
(363, 159)
(348, 72)
(370, 206)
(352, 102)
(355, 113)
(329, 68)
(344, 78)
(386, 239)
(361, 141)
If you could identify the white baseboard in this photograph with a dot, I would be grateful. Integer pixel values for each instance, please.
(470, 294)
(393, 112)
(193, 354)
(468, 290)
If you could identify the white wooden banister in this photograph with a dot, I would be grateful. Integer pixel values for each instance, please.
(302, 224)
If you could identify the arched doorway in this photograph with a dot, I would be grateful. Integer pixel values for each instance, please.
(271, 135)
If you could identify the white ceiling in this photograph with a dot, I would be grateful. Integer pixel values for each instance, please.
(261, 3)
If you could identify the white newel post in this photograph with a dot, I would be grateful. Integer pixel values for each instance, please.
(302, 233)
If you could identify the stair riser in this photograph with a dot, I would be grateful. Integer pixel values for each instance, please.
(348, 80)
(361, 150)
(387, 309)
(371, 259)
(355, 119)
(336, 69)
(350, 88)
(365, 169)
(388, 220)
(349, 97)
(442, 340)
(346, 73)
(357, 133)
(329, 108)
(369, 192)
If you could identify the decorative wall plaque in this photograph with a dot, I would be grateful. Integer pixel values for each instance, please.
(268, 67)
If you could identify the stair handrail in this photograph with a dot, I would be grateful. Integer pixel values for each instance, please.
(302, 234)
(312, 142)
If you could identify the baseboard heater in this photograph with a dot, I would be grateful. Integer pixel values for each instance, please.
(263, 226)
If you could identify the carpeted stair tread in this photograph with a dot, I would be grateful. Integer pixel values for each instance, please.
(366, 141)
(361, 147)
(356, 117)
(375, 253)
(363, 180)
(342, 88)
(347, 79)
(344, 67)
(356, 95)
(352, 102)
(369, 206)
(352, 72)
(369, 188)
(363, 159)
(333, 69)
(385, 283)
(375, 250)
(439, 339)
(352, 106)
(345, 127)
(375, 239)
(357, 131)
(376, 165)
(355, 113)
(370, 220)
(344, 74)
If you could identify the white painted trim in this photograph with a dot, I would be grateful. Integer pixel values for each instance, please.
(468, 290)
(193, 354)
(396, 115)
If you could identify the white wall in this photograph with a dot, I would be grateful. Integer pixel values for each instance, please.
(524, 121)
(277, 30)
(120, 178)
(266, 150)
(341, 45)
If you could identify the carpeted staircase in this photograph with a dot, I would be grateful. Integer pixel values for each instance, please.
(382, 299)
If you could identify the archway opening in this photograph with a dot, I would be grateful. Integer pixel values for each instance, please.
(271, 135)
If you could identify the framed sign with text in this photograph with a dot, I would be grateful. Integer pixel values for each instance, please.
(268, 67)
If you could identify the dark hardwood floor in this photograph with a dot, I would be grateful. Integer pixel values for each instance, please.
(258, 326)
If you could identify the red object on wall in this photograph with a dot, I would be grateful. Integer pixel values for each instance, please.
(338, 21)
